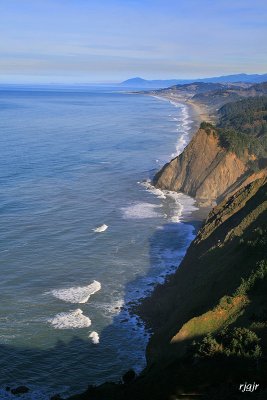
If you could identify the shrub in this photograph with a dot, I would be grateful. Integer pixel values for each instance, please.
(243, 127)
(207, 347)
(240, 342)
(207, 127)
(247, 284)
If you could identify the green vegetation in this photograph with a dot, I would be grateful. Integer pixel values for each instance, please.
(240, 342)
(239, 143)
(248, 116)
(227, 311)
(237, 341)
(243, 127)
(208, 127)
(248, 283)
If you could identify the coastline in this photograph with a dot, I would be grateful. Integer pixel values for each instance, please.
(192, 218)
(206, 269)
(196, 114)
(193, 112)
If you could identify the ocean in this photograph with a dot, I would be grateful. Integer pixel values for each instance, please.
(83, 233)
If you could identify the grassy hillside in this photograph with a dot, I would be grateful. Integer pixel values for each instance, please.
(210, 318)
(220, 286)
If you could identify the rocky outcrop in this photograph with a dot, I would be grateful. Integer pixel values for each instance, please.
(204, 170)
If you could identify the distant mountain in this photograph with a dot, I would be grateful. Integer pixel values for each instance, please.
(143, 83)
(252, 78)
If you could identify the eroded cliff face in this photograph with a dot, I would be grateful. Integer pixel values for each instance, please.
(214, 264)
(204, 170)
(201, 298)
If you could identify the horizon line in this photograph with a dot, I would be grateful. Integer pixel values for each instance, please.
(130, 78)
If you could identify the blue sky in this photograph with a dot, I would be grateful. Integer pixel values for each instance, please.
(112, 40)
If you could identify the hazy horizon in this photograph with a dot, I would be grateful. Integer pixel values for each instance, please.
(117, 82)
(111, 41)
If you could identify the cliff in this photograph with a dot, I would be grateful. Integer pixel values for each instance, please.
(221, 159)
(214, 289)
(214, 263)
(204, 170)
(211, 314)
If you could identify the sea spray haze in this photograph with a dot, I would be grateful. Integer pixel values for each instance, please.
(70, 163)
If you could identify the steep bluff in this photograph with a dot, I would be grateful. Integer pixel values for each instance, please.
(212, 267)
(219, 289)
(211, 316)
(204, 170)
(221, 159)
(206, 295)
(226, 224)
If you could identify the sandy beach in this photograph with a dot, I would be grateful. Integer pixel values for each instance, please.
(198, 111)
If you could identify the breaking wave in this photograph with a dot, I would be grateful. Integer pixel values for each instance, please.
(79, 294)
(70, 320)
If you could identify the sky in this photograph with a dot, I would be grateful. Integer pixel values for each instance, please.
(80, 41)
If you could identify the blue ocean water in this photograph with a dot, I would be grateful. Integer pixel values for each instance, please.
(72, 160)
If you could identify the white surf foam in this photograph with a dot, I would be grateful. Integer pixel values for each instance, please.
(183, 125)
(185, 205)
(95, 337)
(182, 204)
(79, 294)
(151, 189)
(111, 309)
(70, 320)
(115, 307)
(101, 228)
(141, 211)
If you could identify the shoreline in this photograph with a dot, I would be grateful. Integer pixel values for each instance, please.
(167, 309)
(198, 111)
(195, 218)
(191, 219)
(193, 112)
